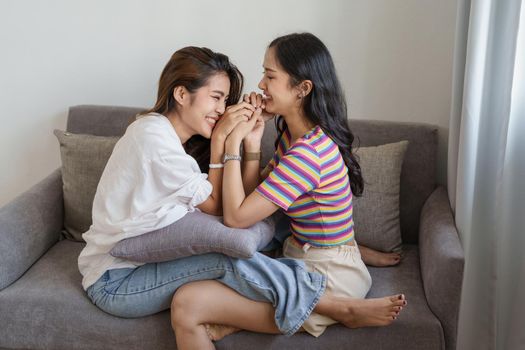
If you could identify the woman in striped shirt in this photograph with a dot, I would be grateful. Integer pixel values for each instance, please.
(311, 177)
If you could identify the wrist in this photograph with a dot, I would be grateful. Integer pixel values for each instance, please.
(216, 151)
(249, 156)
(250, 146)
(232, 144)
(217, 139)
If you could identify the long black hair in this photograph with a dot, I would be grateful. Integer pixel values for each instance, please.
(304, 57)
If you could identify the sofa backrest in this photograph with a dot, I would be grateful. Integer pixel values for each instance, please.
(418, 175)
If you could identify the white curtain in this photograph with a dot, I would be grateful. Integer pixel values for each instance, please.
(486, 171)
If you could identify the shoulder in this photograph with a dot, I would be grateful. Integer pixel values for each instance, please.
(302, 148)
(322, 143)
(302, 157)
(153, 133)
(151, 125)
(308, 145)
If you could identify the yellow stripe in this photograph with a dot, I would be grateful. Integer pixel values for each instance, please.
(327, 242)
(315, 230)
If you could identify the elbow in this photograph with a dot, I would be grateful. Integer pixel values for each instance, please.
(233, 222)
(216, 211)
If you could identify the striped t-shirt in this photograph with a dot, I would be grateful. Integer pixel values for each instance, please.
(309, 181)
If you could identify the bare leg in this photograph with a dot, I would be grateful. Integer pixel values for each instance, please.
(376, 258)
(197, 304)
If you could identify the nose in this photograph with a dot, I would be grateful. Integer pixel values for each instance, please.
(221, 107)
(261, 84)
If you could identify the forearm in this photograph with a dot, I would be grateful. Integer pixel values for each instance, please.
(233, 189)
(251, 171)
(215, 176)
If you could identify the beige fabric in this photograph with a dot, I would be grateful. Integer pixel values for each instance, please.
(376, 213)
(346, 275)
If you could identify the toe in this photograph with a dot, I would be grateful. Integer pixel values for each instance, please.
(398, 297)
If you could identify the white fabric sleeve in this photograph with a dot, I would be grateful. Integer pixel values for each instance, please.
(180, 176)
(174, 172)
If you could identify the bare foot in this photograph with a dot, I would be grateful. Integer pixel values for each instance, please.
(379, 259)
(219, 331)
(355, 313)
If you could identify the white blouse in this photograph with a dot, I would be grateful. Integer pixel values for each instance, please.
(148, 183)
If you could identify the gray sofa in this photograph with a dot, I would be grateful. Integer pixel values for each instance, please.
(43, 306)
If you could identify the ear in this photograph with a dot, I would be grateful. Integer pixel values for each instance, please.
(305, 87)
(180, 94)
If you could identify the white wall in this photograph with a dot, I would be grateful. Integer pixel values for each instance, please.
(394, 59)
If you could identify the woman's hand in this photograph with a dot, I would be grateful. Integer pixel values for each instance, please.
(233, 115)
(252, 141)
(257, 100)
(242, 129)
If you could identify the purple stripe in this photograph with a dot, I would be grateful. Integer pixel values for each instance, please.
(343, 189)
(337, 158)
(298, 153)
(308, 205)
(300, 172)
(288, 181)
(319, 140)
(274, 186)
(337, 180)
(324, 210)
(334, 174)
(345, 230)
(322, 237)
(330, 149)
(312, 224)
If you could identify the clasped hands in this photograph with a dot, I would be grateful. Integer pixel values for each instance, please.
(243, 122)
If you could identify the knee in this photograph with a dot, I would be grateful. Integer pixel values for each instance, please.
(182, 306)
(185, 308)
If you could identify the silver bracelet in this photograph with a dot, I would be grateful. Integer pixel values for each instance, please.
(216, 166)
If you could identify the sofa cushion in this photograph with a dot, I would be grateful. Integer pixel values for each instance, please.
(47, 309)
(376, 212)
(418, 175)
(83, 160)
(196, 233)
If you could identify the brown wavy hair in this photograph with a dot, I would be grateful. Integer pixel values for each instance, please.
(192, 67)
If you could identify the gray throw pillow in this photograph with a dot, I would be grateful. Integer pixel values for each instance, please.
(376, 213)
(83, 160)
(195, 233)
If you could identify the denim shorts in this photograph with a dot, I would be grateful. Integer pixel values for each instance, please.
(148, 289)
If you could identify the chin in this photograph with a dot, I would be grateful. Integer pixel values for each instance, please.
(206, 133)
(270, 109)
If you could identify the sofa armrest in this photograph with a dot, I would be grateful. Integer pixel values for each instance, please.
(442, 260)
(29, 225)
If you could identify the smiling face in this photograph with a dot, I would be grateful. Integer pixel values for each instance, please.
(280, 96)
(199, 111)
